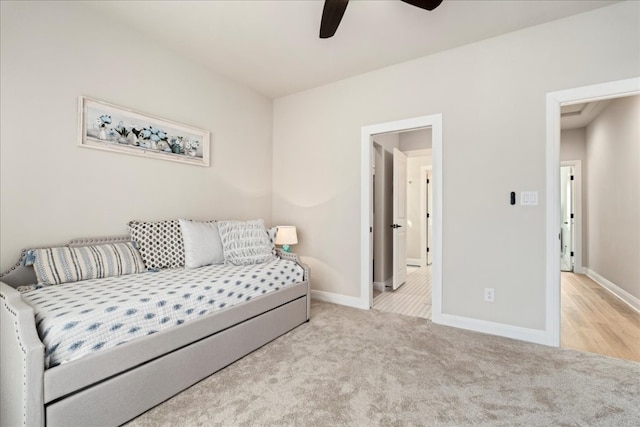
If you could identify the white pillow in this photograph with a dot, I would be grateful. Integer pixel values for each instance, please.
(202, 245)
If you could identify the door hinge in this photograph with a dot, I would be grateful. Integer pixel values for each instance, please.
(427, 180)
(571, 216)
(370, 229)
(571, 253)
(427, 249)
(571, 177)
(428, 215)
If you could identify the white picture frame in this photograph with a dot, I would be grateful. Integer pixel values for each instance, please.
(105, 126)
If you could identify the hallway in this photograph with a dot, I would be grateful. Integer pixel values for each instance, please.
(596, 321)
(412, 299)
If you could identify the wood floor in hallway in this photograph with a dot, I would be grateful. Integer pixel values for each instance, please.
(596, 321)
(412, 299)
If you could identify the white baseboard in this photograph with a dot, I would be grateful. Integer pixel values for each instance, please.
(500, 329)
(623, 295)
(379, 286)
(339, 299)
(414, 261)
(382, 286)
(492, 328)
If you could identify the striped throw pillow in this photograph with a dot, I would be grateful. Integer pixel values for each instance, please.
(54, 266)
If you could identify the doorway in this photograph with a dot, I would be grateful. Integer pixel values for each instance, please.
(402, 166)
(555, 101)
(367, 154)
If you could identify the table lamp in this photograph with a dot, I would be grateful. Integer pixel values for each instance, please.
(286, 236)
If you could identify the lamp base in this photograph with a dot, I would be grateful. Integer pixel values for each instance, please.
(286, 248)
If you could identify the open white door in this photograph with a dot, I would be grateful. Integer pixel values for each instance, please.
(399, 218)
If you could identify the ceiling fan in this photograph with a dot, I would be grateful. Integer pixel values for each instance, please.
(334, 10)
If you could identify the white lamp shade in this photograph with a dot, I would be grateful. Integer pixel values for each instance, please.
(286, 235)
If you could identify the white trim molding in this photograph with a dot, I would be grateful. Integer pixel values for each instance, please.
(338, 299)
(555, 100)
(382, 286)
(425, 171)
(500, 329)
(616, 290)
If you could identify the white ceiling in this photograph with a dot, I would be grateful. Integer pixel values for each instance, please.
(273, 46)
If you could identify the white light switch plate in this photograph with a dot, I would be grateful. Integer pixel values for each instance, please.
(528, 198)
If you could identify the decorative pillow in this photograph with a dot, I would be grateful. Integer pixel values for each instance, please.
(272, 236)
(245, 242)
(202, 244)
(160, 243)
(54, 266)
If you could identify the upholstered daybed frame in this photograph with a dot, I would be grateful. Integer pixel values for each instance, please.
(115, 385)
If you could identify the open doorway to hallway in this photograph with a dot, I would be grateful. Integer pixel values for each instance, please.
(405, 288)
(600, 226)
(434, 122)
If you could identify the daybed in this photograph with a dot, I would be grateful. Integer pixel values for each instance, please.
(109, 386)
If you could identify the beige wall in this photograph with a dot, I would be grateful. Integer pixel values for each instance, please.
(51, 190)
(613, 194)
(492, 98)
(573, 145)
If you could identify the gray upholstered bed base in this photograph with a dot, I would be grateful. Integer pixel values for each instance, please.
(115, 385)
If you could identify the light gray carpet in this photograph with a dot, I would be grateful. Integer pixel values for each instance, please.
(350, 367)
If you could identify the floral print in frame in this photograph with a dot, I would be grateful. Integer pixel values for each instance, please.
(110, 127)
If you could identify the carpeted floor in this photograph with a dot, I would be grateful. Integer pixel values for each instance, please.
(350, 367)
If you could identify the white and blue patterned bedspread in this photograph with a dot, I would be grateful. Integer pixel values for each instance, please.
(75, 319)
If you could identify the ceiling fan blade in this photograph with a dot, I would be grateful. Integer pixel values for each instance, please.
(424, 4)
(331, 16)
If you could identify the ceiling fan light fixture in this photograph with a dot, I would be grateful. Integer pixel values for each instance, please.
(333, 11)
(332, 14)
(424, 4)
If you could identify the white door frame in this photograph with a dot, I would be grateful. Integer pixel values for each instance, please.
(424, 173)
(577, 211)
(555, 100)
(366, 275)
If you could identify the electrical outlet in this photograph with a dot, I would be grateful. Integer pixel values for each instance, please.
(489, 294)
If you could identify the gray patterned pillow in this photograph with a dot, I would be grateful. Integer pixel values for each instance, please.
(160, 243)
(245, 242)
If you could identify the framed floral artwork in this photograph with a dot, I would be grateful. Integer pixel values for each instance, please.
(105, 126)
